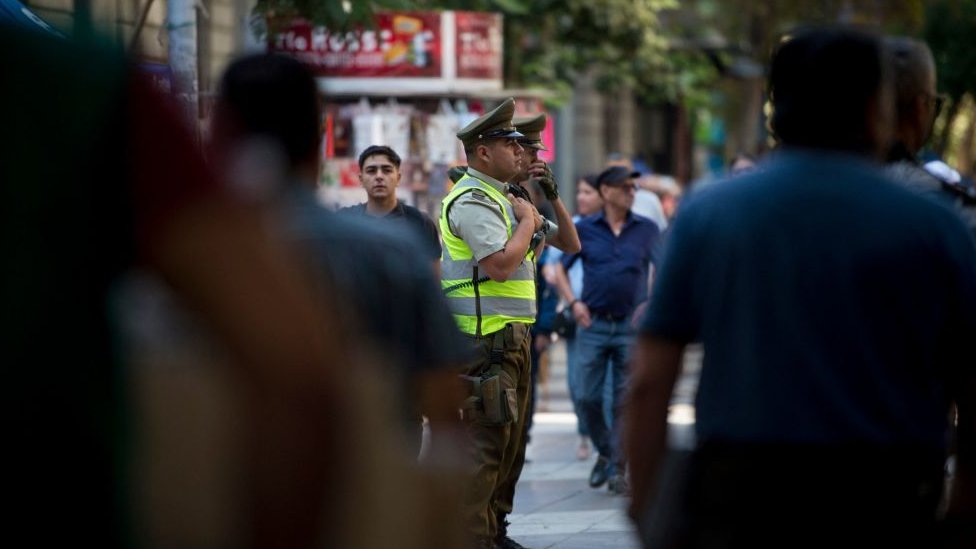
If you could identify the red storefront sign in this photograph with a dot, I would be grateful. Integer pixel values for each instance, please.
(402, 45)
(478, 44)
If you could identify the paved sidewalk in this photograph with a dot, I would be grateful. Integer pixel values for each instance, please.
(554, 505)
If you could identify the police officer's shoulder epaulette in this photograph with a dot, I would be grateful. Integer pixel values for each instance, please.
(480, 196)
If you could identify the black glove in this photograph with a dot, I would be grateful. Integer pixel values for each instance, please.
(519, 192)
(548, 184)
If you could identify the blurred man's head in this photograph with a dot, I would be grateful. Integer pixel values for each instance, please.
(273, 98)
(617, 186)
(379, 174)
(829, 89)
(916, 101)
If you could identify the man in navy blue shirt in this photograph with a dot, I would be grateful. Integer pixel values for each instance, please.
(836, 311)
(617, 247)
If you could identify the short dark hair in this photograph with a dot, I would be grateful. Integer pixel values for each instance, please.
(470, 148)
(276, 96)
(822, 84)
(371, 150)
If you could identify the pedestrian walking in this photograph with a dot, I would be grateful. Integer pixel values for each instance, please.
(917, 104)
(101, 180)
(826, 381)
(617, 250)
(390, 305)
(588, 202)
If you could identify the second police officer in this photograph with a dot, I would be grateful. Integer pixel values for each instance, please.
(491, 242)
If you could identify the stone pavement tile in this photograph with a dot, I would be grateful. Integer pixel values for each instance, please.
(555, 508)
(559, 522)
(590, 499)
(558, 470)
(542, 542)
(598, 540)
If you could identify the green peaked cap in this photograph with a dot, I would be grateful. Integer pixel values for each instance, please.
(496, 123)
(531, 127)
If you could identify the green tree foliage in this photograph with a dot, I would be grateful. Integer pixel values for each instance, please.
(548, 42)
(950, 28)
(735, 38)
(335, 14)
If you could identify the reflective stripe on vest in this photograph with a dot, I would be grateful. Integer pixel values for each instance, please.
(499, 302)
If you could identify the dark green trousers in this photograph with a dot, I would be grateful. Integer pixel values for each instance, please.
(497, 452)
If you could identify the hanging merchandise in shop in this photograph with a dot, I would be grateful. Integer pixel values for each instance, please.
(405, 53)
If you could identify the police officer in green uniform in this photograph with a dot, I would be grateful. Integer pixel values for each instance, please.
(491, 239)
(564, 237)
(563, 234)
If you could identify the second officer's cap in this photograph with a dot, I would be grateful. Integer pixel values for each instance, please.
(494, 124)
(531, 127)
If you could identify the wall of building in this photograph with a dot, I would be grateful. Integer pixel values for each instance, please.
(221, 39)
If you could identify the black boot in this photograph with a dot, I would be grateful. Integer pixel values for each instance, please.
(598, 476)
(502, 541)
(508, 543)
(484, 543)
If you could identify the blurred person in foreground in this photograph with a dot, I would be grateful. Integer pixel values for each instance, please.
(835, 319)
(617, 252)
(588, 202)
(388, 295)
(99, 177)
(917, 105)
(379, 174)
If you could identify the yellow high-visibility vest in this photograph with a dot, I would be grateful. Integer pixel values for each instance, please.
(483, 307)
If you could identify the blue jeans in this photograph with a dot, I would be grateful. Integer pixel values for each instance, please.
(574, 380)
(604, 357)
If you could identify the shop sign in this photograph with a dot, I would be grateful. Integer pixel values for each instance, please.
(406, 52)
(478, 44)
(403, 44)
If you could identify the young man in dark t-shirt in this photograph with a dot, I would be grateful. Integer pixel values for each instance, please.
(379, 174)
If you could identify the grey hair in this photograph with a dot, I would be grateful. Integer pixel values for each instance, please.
(913, 65)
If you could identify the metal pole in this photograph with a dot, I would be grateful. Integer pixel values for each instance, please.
(181, 23)
(142, 23)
